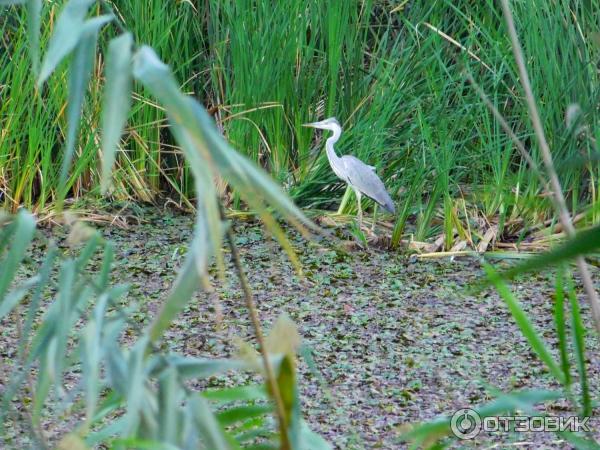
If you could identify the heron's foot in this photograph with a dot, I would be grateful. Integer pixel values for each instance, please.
(381, 241)
(369, 231)
(326, 220)
(359, 218)
(373, 226)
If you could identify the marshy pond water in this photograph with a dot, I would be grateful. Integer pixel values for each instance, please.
(395, 340)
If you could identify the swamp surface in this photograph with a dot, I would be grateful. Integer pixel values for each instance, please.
(396, 340)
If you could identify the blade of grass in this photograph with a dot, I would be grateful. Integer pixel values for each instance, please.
(579, 333)
(559, 323)
(522, 401)
(584, 242)
(535, 341)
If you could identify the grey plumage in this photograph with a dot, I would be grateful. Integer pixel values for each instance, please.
(360, 176)
(363, 177)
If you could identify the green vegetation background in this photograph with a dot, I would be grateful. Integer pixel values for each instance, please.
(393, 72)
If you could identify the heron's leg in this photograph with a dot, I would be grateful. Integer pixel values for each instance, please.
(360, 215)
(374, 217)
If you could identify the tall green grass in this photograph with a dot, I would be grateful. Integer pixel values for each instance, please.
(396, 85)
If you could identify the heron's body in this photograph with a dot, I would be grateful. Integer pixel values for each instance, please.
(358, 175)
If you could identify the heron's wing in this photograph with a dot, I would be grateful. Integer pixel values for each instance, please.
(363, 177)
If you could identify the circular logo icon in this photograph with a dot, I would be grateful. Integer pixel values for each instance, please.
(465, 423)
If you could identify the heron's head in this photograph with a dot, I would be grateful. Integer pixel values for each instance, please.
(330, 124)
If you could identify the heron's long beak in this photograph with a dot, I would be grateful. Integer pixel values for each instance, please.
(311, 125)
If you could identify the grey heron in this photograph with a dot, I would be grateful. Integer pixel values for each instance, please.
(358, 175)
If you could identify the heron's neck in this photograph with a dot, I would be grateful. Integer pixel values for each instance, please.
(331, 155)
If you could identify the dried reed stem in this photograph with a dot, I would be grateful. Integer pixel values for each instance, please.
(249, 298)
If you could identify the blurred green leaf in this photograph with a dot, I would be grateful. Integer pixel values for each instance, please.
(111, 402)
(34, 302)
(584, 243)
(206, 242)
(184, 286)
(144, 444)
(103, 276)
(525, 325)
(579, 442)
(243, 413)
(262, 446)
(309, 440)
(157, 77)
(50, 344)
(34, 13)
(519, 400)
(253, 429)
(116, 363)
(306, 352)
(237, 393)
(67, 30)
(117, 101)
(13, 298)
(91, 355)
(113, 428)
(79, 74)
(170, 398)
(208, 426)
(288, 389)
(189, 367)
(90, 247)
(52, 354)
(71, 441)
(22, 230)
(136, 388)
